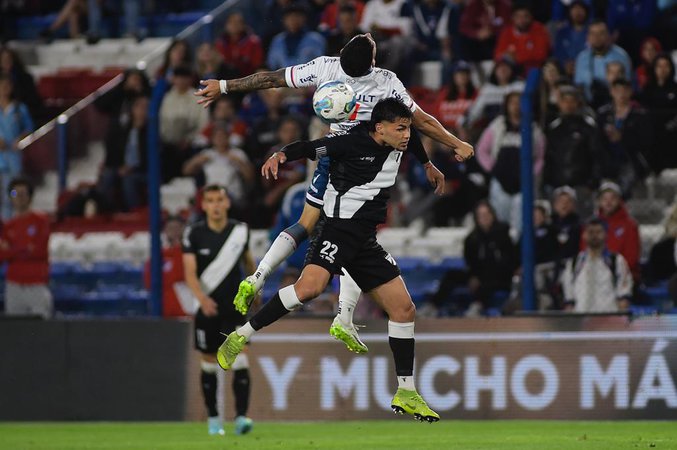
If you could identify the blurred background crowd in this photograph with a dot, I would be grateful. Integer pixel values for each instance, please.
(604, 133)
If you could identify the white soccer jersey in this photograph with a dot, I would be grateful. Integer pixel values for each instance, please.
(369, 89)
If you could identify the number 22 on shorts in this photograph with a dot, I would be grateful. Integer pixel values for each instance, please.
(328, 251)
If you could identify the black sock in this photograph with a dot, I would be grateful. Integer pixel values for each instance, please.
(209, 384)
(241, 391)
(403, 353)
(271, 311)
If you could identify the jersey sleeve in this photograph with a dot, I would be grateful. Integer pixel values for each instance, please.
(329, 145)
(400, 92)
(308, 74)
(187, 240)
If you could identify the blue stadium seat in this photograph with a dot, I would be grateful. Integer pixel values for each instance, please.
(450, 263)
(643, 310)
(170, 25)
(29, 27)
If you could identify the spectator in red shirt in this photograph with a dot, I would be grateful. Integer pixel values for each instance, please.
(24, 246)
(177, 301)
(330, 15)
(239, 46)
(527, 41)
(622, 231)
(651, 47)
(455, 98)
(481, 22)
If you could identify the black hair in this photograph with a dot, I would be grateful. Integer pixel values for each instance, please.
(357, 56)
(598, 22)
(187, 57)
(20, 181)
(17, 63)
(347, 9)
(621, 82)
(174, 218)
(506, 100)
(582, 4)
(486, 204)
(519, 6)
(215, 188)
(595, 220)
(507, 62)
(389, 110)
(145, 82)
(453, 92)
(653, 81)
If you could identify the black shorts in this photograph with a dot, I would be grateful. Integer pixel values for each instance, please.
(208, 330)
(351, 245)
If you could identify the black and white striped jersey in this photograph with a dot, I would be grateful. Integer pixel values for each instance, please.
(218, 256)
(361, 173)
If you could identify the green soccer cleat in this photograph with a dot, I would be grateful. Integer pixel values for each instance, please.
(228, 351)
(243, 425)
(245, 295)
(410, 402)
(348, 335)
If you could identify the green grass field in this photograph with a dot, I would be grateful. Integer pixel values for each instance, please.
(398, 433)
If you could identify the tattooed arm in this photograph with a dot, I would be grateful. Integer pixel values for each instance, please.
(261, 80)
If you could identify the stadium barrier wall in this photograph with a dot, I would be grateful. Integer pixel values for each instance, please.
(94, 369)
(570, 367)
(602, 368)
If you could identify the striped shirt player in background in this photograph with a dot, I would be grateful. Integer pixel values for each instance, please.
(363, 167)
(24, 246)
(214, 251)
(355, 67)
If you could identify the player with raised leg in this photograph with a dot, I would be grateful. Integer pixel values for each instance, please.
(355, 67)
(363, 167)
(213, 252)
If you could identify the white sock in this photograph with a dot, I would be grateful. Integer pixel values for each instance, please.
(282, 247)
(349, 295)
(246, 330)
(406, 383)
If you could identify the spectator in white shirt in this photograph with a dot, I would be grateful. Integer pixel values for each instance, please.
(391, 31)
(181, 120)
(597, 280)
(224, 165)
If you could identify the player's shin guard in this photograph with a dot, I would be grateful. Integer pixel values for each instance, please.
(401, 338)
(209, 386)
(241, 384)
(280, 305)
(284, 245)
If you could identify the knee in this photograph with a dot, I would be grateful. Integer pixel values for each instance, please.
(307, 290)
(406, 312)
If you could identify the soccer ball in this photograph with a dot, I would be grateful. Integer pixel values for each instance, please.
(334, 102)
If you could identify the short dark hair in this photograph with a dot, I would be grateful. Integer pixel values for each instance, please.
(595, 221)
(215, 188)
(350, 9)
(356, 56)
(519, 6)
(20, 181)
(174, 218)
(389, 110)
(621, 82)
(598, 22)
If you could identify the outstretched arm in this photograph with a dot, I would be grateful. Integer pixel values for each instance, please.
(431, 127)
(262, 80)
